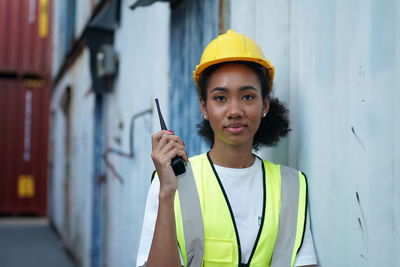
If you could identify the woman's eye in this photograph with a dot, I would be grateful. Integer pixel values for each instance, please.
(219, 98)
(248, 97)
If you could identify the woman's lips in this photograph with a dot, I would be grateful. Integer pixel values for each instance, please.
(235, 128)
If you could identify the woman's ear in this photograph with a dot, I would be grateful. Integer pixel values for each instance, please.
(203, 108)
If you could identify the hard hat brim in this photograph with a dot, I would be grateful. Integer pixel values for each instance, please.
(265, 63)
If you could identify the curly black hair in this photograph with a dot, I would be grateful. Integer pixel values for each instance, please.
(272, 127)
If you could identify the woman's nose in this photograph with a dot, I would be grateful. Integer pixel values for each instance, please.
(235, 110)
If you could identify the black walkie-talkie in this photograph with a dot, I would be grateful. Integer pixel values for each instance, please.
(177, 163)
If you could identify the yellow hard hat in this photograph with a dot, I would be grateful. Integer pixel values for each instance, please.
(232, 46)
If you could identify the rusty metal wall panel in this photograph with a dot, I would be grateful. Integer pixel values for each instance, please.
(25, 28)
(24, 118)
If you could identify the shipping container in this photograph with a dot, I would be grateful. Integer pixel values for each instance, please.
(25, 28)
(24, 120)
(193, 25)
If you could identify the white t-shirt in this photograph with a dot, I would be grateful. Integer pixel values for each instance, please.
(247, 210)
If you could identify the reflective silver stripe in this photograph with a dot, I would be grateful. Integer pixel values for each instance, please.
(284, 245)
(192, 219)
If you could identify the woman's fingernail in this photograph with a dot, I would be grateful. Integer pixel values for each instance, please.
(170, 131)
(183, 143)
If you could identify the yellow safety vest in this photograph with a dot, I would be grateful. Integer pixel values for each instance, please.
(284, 208)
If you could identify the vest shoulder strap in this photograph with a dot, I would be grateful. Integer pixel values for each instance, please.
(291, 218)
(192, 220)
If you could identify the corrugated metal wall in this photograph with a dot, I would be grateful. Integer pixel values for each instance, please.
(338, 69)
(193, 25)
(24, 107)
(25, 33)
(72, 161)
(25, 28)
(352, 81)
(268, 23)
(84, 11)
(142, 41)
(64, 30)
(143, 75)
(69, 20)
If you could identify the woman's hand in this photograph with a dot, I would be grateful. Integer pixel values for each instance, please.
(164, 249)
(165, 146)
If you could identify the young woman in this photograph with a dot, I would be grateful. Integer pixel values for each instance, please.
(253, 211)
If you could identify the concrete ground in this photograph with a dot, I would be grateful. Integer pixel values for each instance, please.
(26, 242)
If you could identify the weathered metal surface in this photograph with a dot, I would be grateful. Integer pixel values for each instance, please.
(113, 224)
(338, 68)
(97, 183)
(193, 25)
(72, 159)
(141, 40)
(24, 119)
(25, 30)
(69, 23)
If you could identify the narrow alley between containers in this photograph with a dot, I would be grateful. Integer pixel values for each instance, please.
(30, 242)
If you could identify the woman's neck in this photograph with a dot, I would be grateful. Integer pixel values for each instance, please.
(232, 156)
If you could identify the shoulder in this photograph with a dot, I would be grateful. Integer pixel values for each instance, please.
(280, 167)
(198, 162)
(198, 157)
(278, 170)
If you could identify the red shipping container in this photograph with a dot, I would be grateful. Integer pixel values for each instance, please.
(24, 123)
(25, 48)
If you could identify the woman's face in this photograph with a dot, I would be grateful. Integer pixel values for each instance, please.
(234, 105)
